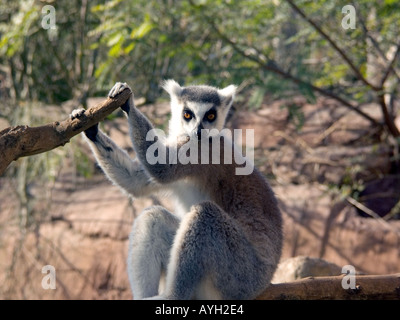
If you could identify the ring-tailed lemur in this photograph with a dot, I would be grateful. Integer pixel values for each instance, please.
(224, 240)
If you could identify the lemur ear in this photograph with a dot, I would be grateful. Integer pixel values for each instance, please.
(227, 94)
(172, 87)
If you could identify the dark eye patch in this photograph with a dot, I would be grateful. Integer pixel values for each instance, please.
(210, 115)
(187, 114)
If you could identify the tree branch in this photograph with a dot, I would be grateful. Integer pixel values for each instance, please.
(334, 45)
(330, 288)
(390, 67)
(389, 121)
(271, 66)
(22, 141)
(390, 64)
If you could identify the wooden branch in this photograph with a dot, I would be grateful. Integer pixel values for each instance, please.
(389, 120)
(390, 64)
(330, 288)
(390, 67)
(271, 66)
(22, 141)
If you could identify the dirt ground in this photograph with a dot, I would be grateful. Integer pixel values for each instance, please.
(86, 223)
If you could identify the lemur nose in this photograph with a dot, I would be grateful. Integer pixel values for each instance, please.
(198, 133)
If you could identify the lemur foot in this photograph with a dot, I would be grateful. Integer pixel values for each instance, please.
(91, 132)
(117, 89)
(77, 113)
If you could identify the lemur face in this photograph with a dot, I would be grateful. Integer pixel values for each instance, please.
(195, 108)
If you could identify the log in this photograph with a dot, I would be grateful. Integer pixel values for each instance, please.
(22, 141)
(368, 287)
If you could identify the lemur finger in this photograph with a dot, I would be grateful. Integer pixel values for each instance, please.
(77, 113)
(117, 89)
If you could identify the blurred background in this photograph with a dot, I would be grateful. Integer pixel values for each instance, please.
(318, 81)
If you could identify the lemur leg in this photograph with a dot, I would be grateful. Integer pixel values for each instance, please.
(211, 258)
(150, 244)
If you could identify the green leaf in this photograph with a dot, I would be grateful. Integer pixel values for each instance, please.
(308, 92)
(256, 98)
(115, 50)
(102, 68)
(107, 6)
(108, 25)
(4, 41)
(143, 29)
(114, 39)
(129, 48)
(296, 115)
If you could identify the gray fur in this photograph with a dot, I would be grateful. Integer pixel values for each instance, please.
(223, 241)
(151, 239)
(204, 94)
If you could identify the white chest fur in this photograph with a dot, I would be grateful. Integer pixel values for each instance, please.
(185, 194)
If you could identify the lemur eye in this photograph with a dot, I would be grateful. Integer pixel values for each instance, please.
(187, 116)
(210, 116)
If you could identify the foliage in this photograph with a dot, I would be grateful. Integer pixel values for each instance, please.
(144, 42)
(274, 49)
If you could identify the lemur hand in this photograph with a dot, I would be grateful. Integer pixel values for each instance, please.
(91, 132)
(117, 89)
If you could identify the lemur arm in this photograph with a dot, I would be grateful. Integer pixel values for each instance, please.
(118, 166)
(139, 126)
(123, 171)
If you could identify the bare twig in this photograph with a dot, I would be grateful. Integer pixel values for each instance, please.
(395, 211)
(371, 213)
